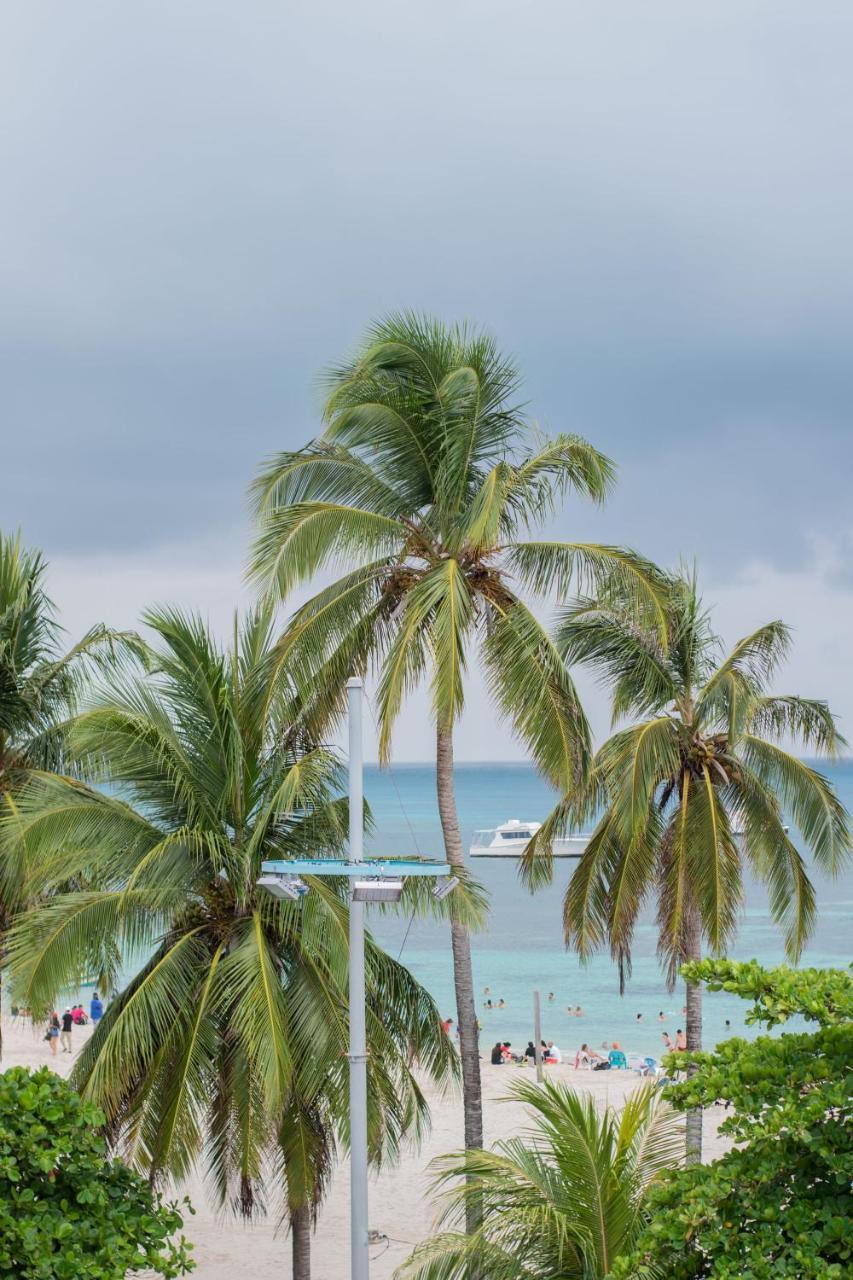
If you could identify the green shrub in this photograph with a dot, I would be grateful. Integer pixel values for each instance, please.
(67, 1211)
(780, 1203)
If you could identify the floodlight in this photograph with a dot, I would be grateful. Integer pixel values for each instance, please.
(377, 890)
(444, 886)
(290, 887)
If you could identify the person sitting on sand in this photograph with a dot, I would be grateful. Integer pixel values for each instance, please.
(680, 1041)
(530, 1051)
(497, 1054)
(506, 1051)
(590, 1054)
(554, 1054)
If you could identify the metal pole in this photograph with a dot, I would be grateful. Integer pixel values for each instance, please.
(360, 1263)
(537, 1035)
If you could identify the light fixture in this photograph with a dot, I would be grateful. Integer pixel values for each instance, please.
(290, 887)
(377, 890)
(443, 887)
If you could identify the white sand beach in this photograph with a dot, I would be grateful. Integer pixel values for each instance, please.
(400, 1205)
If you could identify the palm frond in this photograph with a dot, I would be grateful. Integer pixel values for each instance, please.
(809, 798)
(534, 691)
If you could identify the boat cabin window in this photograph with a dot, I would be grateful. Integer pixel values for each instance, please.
(515, 835)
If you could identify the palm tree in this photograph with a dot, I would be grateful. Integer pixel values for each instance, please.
(563, 1199)
(39, 687)
(698, 784)
(424, 479)
(228, 1041)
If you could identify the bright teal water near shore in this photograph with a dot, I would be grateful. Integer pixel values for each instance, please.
(522, 948)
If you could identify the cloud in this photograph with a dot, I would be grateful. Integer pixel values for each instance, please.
(205, 204)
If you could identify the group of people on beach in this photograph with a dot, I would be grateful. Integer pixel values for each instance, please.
(502, 1052)
(58, 1030)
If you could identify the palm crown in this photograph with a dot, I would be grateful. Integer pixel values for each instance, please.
(423, 480)
(229, 1037)
(700, 777)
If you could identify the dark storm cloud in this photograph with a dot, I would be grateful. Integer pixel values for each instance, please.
(649, 204)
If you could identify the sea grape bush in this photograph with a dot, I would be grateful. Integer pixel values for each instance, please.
(779, 1204)
(67, 1211)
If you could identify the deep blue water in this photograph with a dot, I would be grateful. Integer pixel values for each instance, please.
(522, 947)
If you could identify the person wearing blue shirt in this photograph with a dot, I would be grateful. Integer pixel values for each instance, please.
(96, 1008)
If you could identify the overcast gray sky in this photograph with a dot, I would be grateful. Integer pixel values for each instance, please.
(649, 204)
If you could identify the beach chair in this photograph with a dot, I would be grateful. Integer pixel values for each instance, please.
(617, 1060)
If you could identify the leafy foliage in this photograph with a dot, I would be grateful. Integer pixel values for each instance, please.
(228, 1042)
(563, 1199)
(67, 1212)
(780, 1203)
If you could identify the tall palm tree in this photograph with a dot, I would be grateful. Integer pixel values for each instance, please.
(692, 789)
(562, 1200)
(39, 687)
(424, 480)
(228, 1041)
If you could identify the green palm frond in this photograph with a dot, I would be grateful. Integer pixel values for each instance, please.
(557, 567)
(450, 625)
(756, 657)
(297, 540)
(809, 798)
(534, 691)
(808, 721)
(562, 1200)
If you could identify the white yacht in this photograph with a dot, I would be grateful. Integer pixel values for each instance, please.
(511, 838)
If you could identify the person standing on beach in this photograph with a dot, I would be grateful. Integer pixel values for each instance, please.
(96, 1008)
(65, 1035)
(52, 1034)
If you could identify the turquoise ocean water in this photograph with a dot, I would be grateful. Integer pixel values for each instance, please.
(522, 948)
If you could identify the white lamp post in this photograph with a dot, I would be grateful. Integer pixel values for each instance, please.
(374, 880)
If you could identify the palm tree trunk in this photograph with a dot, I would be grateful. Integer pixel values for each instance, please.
(300, 1230)
(466, 1012)
(693, 951)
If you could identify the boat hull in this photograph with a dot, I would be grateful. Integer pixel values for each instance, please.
(566, 847)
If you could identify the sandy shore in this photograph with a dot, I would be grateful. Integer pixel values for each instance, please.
(399, 1202)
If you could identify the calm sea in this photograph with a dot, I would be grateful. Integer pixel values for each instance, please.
(522, 948)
